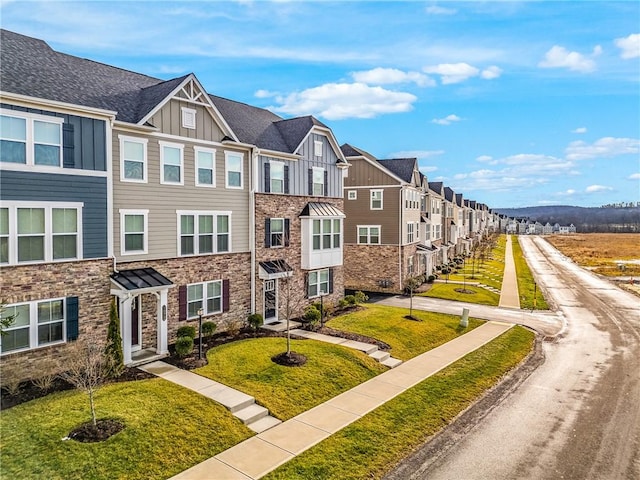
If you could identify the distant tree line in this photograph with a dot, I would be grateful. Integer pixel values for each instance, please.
(621, 205)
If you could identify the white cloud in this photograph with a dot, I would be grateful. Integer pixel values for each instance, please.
(579, 130)
(597, 51)
(264, 93)
(491, 72)
(560, 57)
(383, 76)
(448, 120)
(597, 188)
(634, 176)
(419, 154)
(486, 159)
(428, 169)
(335, 101)
(566, 193)
(436, 10)
(453, 72)
(630, 46)
(604, 147)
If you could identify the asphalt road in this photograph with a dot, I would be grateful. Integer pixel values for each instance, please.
(575, 416)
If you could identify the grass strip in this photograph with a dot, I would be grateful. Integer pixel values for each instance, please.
(448, 291)
(526, 284)
(371, 446)
(167, 429)
(408, 338)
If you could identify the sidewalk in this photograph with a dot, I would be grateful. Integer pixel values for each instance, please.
(509, 296)
(257, 456)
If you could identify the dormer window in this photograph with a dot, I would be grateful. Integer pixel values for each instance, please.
(188, 118)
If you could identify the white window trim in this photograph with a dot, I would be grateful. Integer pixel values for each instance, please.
(323, 233)
(271, 245)
(48, 207)
(33, 324)
(179, 147)
(313, 183)
(145, 159)
(197, 213)
(318, 283)
(226, 170)
(352, 195)
(204, 298)
(369, 227)
(187, 114)
(276, 163)
(30, 140)
(124, 212)
(371, 207)
(212, 151)
(411, 235)
(317, 148)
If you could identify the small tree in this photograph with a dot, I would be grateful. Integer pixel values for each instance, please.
(410, 286)
(292, 302)
(86, 370)
(5, 320)
(113, 350)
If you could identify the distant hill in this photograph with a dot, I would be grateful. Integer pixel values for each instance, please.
(586, 219)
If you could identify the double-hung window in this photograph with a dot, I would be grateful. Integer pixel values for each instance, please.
(205, 295)
(205, 167)
(318, 283)
(34, 324)
(318, 182)
(203, 232)
(233, 169)
(133, 231)
(369, 234)
(410, 233)
(276, 177)
(133, 159)
(33, 232)
(30, 139)
(376, 200)
(171, 161)
(277, 232)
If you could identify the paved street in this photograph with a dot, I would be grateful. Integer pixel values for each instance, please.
(578, 415)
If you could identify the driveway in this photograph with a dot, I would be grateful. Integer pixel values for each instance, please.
(577, 416)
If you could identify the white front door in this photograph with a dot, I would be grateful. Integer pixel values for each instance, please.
(270, 301)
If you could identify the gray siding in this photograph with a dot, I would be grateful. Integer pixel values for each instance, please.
(88, 141)
(92, 191)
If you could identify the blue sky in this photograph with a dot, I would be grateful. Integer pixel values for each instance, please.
(510, 103)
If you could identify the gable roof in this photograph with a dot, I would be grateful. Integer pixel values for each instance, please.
(436, 187)
(351, 151)
(459, 199)
(401, 167)
(449, 194)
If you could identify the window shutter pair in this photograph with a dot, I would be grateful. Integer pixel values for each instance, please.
(267, 232)
(182, 299)
(267, 178)
(73, 308)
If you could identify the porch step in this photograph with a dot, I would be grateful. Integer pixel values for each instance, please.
(391, 362)
(265, 423)
(380, 355)
(363, 347)
(281, 326)
(251, 414)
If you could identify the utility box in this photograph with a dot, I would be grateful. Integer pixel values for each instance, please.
(464, 320)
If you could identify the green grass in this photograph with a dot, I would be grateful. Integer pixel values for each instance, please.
(447, 291)
(526, 283)
(288, 391)
(407, 338)
(168, 429)
(371, 446)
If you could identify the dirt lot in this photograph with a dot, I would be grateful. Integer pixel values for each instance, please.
(602, 253)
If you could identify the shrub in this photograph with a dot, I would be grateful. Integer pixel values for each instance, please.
(342, 303)
(208, 328)
(233, 326)
(312, 316)
(45, 378)
(361, 297)
(445, 271)
(113, 350)
(187, 331)
(184, 346)
(351, 299)
(255, 321)
(431, 278)
(12, 376)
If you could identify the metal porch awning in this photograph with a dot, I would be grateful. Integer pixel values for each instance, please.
(274, 269)
(141, 280)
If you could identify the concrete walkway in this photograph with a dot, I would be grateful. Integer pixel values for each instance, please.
(509, 296)
(257, 456)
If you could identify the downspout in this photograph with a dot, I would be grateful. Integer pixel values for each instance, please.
(400, 233)
(109, 166)
(252, 223)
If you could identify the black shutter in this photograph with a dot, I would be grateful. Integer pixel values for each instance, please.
(326, 183)
(68, 144)
(267, 232)
(286, 232)
(72, 318)
(182, 302)
(286, 179)
(331, 280)
(306, 285)
(267, 177)
(311, 181)
(225, 295)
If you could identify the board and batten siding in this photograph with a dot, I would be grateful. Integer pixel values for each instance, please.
(299, 169)
(363, 173)
(169, 120)
(84, 139)
(46, 187)
(163, 201)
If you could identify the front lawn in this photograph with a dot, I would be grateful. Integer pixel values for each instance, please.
(288, 391)
(407, 338)
(526, 284)
(371, 446)
(168, 429)
(447, 291)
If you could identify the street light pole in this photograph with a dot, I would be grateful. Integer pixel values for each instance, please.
(200, 312)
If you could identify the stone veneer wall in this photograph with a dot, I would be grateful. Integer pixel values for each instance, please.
(366, 266)
(88, 280)
(234, 267)
(290, 206)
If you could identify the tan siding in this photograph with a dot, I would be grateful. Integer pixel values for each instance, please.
(162, 201)
(169, 120)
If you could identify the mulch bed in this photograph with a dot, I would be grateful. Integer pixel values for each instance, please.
(292, 359)
(102, 430)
